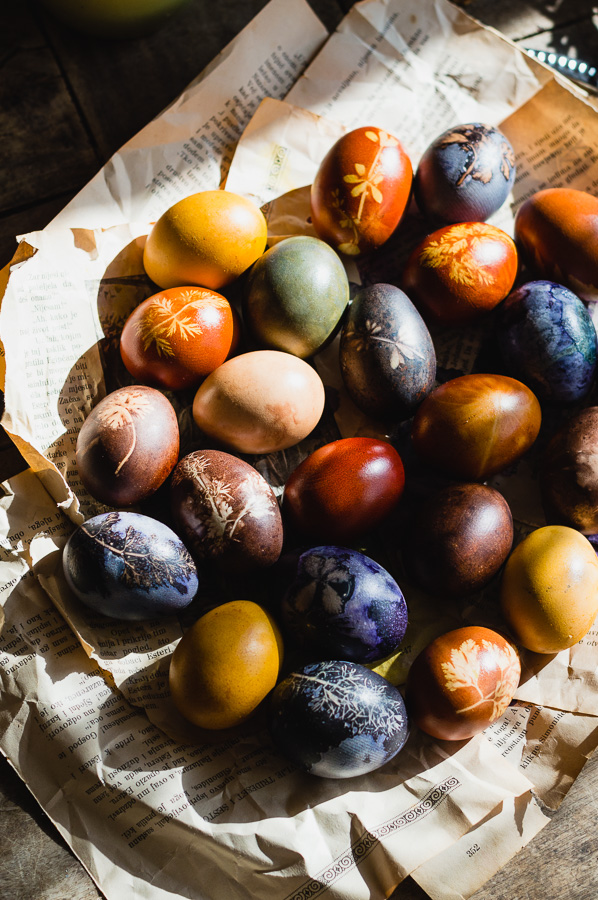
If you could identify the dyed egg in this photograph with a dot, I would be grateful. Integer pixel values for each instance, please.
(345, 604)
(259, 402)
(344, 489)
(569, 473)
(128, 445)
(174, 338)
(465, 174)
(549, 589)
(460, 272)
(337, 719)
(462, 682)
(548, 340)
(361, 190)
(295, 297)
(207, 239)
(129, 566)
(458, 539)
(474, 426)
(225, 511)
(225, 665)
(387, 358)
(557, 232)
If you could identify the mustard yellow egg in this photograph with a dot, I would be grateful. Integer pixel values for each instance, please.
(225, 664)
(549, 589)
(207, 239)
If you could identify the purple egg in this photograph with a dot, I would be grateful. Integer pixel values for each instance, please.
(344, 604)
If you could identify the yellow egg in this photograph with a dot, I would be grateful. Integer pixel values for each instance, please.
(549, 589)
(206, 239)
(225, 664)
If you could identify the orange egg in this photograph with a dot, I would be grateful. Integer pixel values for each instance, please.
(206, 239)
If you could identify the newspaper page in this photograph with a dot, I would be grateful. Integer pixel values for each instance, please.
(147, 804)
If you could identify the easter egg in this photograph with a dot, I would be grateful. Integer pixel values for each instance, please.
(337, 719)
(387, 358)
(547, 339)
(225, 511)
(344, 489)
(462, 682)
(549, 589)
(569, 473)
(129, 566)
(460, 272)
(465, 174)
(345, 605)
(296, 294)
(556, 230)
(128, 445)
(458, 539)
(475, 425)
(207, 239)
(361, 190)
(225, 665)
(260, 401)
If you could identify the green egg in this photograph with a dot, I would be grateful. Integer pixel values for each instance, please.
(296, 295)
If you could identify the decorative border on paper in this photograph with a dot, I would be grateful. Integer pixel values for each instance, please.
(368, 840)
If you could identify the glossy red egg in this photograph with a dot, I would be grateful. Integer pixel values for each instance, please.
(475, 425)
(344, 489)
(462, 682)
(361, 190)
(459, 272)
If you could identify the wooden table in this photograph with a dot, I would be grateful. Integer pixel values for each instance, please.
(67, 102)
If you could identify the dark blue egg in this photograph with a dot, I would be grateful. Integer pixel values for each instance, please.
(345, 604)
(465, 174)
(129, 566)
(548, 341)
(337, 719)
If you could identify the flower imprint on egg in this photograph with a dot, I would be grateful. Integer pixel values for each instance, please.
(166, 319)
(456, 249)
(473, 141)
(361, 338)
(120, 411)
(464, 670)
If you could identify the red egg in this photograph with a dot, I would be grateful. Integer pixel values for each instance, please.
(361, 190)
(460, 272)
(344, 489)
(176, 337)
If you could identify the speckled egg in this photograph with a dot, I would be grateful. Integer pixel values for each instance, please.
(548, 340)
(465, 174)
(260, 402)
(460, 272)
(337, 719)
(129, 566)
(128, 445)
(345, 605)
(387, 357)
(462, 682)
(225, 665)
(295, 296)
(569, 473)
(361, 190)
(225, 511)
(476, 425)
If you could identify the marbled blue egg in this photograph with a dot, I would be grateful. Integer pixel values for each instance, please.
(129, 566)
(337, 719)
(345, 605)
(548, 341)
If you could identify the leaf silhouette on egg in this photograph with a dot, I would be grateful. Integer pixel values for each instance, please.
(473, 140)
(465, 668)
(401, 350)
(166, 319)
(120, 412)
(453, 251)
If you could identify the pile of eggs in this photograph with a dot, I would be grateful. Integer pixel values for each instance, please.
(306, 656)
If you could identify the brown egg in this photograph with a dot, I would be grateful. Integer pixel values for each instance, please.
(569, 473)
(476, 425)
(557, 231)
(458, 539)
(260, 402)
(225, 511)
(462, 682)
(128, 445)
(460, 272)
(361, 190)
